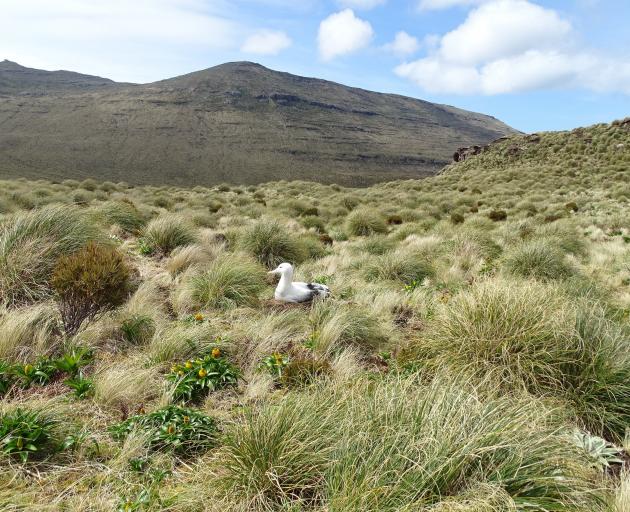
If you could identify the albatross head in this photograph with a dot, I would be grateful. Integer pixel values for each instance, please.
(283, 268)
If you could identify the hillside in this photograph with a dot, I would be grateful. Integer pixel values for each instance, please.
(474, 354)
(239, 123)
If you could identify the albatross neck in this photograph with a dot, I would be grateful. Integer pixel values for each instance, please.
(286, 278)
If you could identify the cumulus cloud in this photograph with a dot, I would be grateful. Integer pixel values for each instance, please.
(429, 5)
(266, 42)
(360, 4)
(342, 33)
(403, 44)
(507, 46)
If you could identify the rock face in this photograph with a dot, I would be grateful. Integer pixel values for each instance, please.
(237, 122)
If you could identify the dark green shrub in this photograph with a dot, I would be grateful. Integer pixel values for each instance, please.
(394, 220)
(457, 218)
(497, 215)
(572, 206)
(194, 379)
(88, 282)
(26, 434)
(365, 222)
(302, 372)
(185, 432)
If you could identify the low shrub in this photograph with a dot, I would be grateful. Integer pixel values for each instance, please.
(365, 222)
(165, 233)
(183, 431)
(194, 379)
(89, 282)
(272, 244)
(497, 215)
(226, 282)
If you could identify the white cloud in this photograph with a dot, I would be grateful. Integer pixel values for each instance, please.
(266, 42)
(508, 46)
(429, 5)
(403, 44)
(360, 4)
(342, 33)
(503, 28)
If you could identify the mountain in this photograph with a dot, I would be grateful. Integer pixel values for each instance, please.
(16, 79)
(238, 122)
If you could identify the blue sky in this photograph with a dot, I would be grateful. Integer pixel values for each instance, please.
(537, 65)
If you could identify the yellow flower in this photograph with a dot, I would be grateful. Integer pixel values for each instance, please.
(170, 429)
(199, 317)
(188, 365)
(173, 368)
(186, 419)
(216, 352)
(180, 373)
(202, 373)
(28, 368)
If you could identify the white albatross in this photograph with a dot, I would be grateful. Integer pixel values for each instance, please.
(288, 291)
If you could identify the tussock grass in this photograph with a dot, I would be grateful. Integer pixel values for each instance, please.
(167, 232)
(365, 222)
(402, 266)
(540, 260)
(439, 445)
(224, 283)
(30, 245)
(272, 244)
(27, 332)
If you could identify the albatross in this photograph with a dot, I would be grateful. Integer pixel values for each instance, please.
(288, 291)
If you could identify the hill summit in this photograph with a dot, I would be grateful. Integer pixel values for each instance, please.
(238, 122)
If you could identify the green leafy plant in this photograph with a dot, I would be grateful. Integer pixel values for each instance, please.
(599, 450)
(41, 372)
(82, 386)
(89, 282)
(196, 378)
(6, 377)
(24, 434)
(183, 431)
(274, 364)
(72, 361)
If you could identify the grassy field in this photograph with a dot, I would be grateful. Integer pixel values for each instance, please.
(474, 355)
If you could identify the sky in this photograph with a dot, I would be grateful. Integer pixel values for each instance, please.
(535, 64)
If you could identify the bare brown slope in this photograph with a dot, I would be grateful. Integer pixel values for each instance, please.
(238, 122)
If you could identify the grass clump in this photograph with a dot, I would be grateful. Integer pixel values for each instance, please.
(123, 214)
(538, 259)
(403, 267)
(421, 446)
(165, 233)
(271, 244)
(31, 244)
(225, 283)
(365, 222)
(87, 283)
(185, 432)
